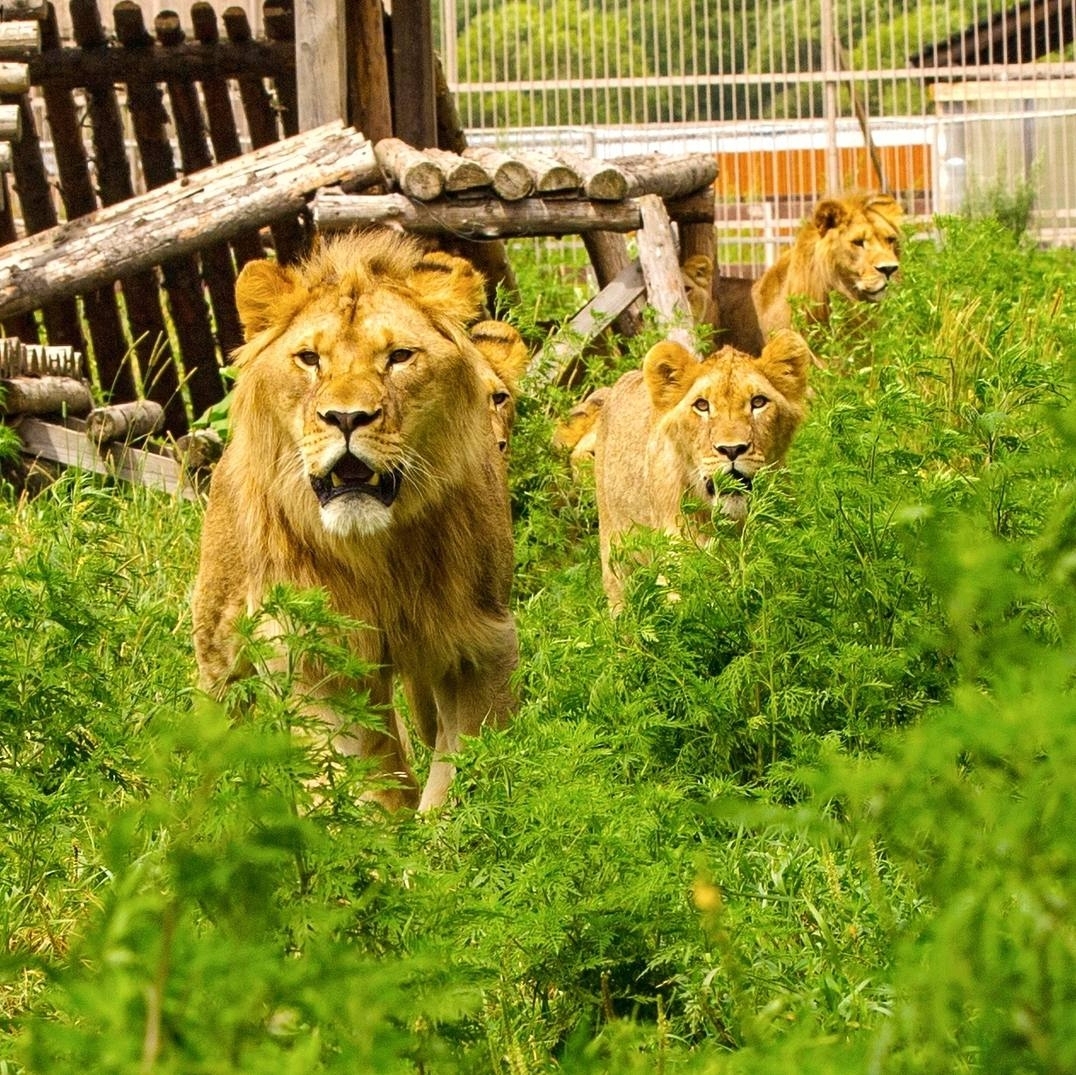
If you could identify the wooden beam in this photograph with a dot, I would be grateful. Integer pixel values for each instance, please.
(661, 271)
(491, 218)
(184, 216)
(414, 84)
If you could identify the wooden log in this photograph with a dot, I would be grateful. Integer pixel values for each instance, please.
(222, 128)
(141, 293)
(68, 444)
(411, 170)
(186, 215)
(32, 181)
(124, 421)
(551, 176)
(290, 237)
(5, 157)
(218, 272)
(198, 449)
(511, 179)
(11, 123)
(14, 78)
(661, 272)
(567, 345)
(13, 10)
(460, 174)
(671, 177)
(368, 69)
(450, 133)
(19, 40)
(488, 218)
(22, 325)
(44, 395)
(39, 360)
(608, 252)
(99, 307)
(600, 180)
(279, 19)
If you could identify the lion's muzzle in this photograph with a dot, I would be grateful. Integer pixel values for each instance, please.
(351, 476)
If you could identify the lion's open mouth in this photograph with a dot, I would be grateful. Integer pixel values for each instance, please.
(352, 476)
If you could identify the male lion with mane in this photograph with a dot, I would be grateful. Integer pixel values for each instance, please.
(363, 461)
(849, 246)
(664, 433)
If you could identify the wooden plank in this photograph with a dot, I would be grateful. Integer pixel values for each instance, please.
(278, 17)
(488, 218)
(414, 84)
(368, 66)
(13, 10)
(72, 447)
(592, 319)
(186, 215)
(320, 62)
(661, 271)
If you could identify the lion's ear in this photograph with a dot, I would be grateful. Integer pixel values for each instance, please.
(669, 369)
(887, 206)
(450, 284)
(829, 214)
(785, 361)
(503, 348)
(259, 291)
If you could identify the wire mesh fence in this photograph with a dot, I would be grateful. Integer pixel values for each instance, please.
(951, 106)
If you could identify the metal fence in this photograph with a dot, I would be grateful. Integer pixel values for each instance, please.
(952, 106)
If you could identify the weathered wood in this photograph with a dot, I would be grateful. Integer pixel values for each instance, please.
(198, 449)
(70, 68)
(411, 170)
(551, 176)
(32, 181)
(13, 10)
(671, 177)
(186, 215)
(487, 218)
(279, 19)
(608, 252)
(460, 173)
(414, 86)
(19, 40)
(599, 179)
(68, 444)
(141, 292)
(44, 395)
(450, 133)
(5, 157)
(11, 123)
(222, 129)
(661, 272)
(568, 343)
(321, 62)
(18, 359)
(510, 178)
(124, 421)
(14, 78)
(368, 67)
(22, 325)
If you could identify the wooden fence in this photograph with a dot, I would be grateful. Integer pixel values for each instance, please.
(130, 108)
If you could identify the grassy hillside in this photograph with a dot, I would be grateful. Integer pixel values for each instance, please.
(805, 806)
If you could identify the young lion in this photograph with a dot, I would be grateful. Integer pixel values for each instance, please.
(665, 431)
(362, 460)
(849, 246)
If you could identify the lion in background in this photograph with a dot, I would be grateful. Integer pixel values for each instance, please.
(849, 246)
(363, 461)
(662, 435)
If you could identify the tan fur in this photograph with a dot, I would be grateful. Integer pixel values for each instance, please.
(697, 273)
(667, 430)
(359, 363)
(506, 358)
(850, 246)
(576, 434)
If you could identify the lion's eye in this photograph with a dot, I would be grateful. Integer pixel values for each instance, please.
(859, 242)
(499, 399)
(758, 402)
(307, 358)
(701, 405)
(400, 355)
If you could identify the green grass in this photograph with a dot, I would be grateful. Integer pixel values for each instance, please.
(804, 806)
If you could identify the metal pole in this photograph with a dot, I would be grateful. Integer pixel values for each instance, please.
(830, 76)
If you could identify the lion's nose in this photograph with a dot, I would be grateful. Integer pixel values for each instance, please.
(888, 269)
(731, 452)
(346, 421)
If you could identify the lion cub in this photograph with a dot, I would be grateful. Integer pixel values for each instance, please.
(663, 433)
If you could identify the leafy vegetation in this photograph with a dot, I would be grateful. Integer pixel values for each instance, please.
(805, 805)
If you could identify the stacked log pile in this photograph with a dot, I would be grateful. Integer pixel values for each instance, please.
(46, 399)
(20, 39)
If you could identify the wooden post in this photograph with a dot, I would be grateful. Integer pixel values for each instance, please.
(414, 86)
(369, 95)
(320, 62)
(279, 19)
(661, 271)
